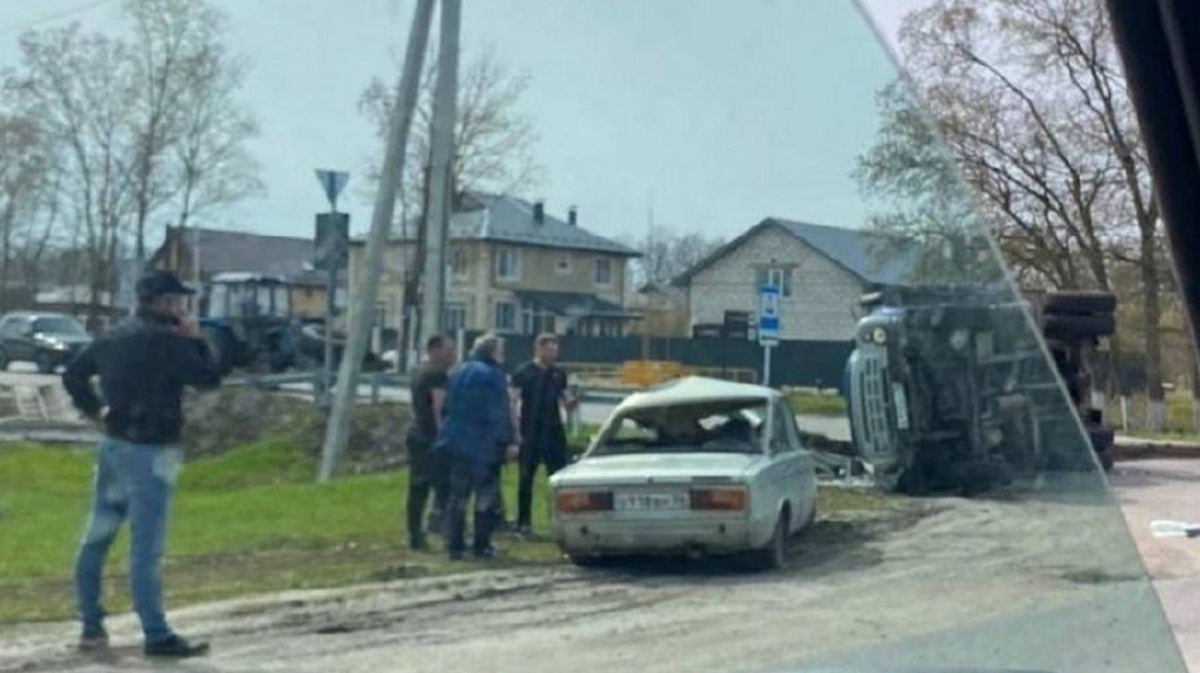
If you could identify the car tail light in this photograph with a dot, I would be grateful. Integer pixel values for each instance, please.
(583, 501)
(728, 499)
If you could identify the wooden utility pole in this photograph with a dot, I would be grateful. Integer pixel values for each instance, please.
(362, 306)
(441, 170)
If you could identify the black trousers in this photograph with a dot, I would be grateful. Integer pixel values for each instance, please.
(469, 478)
(427, 474)
(551, 454)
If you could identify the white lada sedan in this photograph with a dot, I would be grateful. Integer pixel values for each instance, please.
(695, 466)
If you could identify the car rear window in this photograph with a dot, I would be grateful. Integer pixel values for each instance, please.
(727, 426)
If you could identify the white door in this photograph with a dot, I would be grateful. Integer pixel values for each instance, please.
(801, 475)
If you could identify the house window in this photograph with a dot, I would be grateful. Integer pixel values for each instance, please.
(458, 261)
(535, 320)
(508, 264)
(604, 272)
(563, 266)
(456, 317)
(776, 277)
(506, 316)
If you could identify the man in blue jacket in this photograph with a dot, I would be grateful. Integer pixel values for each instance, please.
(143, 366)
(476, 430)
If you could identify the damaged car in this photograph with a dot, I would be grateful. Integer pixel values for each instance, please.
(695, 466)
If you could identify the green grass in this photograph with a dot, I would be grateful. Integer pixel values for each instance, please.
(1179, 424)
(814, 403)
(249, 521)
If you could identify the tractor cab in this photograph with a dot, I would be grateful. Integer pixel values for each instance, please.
(247, 320)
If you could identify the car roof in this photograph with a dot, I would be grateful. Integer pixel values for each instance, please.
(696, 389)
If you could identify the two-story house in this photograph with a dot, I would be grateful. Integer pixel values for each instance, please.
(514, 268)
(821, 272)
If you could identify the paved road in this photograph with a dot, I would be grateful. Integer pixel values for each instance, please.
(1167, 489)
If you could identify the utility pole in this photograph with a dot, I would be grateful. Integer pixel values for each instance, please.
(441, 170)
(337, 432)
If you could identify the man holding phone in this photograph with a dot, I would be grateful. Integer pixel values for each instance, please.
(142, 366)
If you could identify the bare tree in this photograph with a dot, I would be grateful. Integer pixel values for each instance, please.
(493, 140)
(79, 87)
(1029, 96)
(667, 254)
(184, 101)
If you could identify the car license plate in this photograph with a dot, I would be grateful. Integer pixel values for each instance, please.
(650, 501)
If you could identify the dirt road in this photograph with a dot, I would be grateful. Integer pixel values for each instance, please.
(1044, 580)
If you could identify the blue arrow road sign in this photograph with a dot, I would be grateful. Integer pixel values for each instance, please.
(332, 182)
(768, 313)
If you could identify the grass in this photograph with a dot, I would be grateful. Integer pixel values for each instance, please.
(249, 521)
(1179, 424)
(815, 403)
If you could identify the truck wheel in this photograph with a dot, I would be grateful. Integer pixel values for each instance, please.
(1106, 460)
(219, 346)
(1079, 303)
(1070, 327)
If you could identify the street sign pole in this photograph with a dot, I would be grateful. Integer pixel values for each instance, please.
(332, 182)
(768, 326)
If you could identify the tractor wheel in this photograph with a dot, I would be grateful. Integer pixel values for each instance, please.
(1079, 303)
(1073, 327)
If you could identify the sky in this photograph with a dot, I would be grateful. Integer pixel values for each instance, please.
(705, 116)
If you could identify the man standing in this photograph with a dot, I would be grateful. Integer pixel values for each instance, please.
(540, 387)
(426, 469)
(143, 366)
(476, 428)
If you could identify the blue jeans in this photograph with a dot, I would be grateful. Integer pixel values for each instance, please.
(133, 482)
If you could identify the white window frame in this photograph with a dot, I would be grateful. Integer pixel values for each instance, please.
(596, 272)
(515, 255)
(460, 253)
(779, 277)
(516, 314)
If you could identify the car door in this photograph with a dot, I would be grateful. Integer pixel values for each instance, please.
(804, 486)
(788, 465)
(18, 338)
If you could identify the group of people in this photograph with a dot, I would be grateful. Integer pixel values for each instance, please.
(470, 419)
(467, 419)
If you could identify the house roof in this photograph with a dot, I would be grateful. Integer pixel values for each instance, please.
(571, 303)
(225, 251)
(852, 249)
(510, 219)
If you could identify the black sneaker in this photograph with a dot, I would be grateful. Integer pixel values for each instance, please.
(92, 641)
(175, 647)
(524, 531)
(487, 553)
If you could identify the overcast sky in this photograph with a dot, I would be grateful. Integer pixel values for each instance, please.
(713, 114)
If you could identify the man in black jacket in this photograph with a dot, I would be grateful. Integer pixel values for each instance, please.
(143, 366)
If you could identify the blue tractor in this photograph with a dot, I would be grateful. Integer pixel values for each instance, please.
(247, 320)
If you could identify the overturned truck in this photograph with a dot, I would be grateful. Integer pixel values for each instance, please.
(949, 388)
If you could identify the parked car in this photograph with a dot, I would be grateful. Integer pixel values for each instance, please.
(48, 340)
(694, 466)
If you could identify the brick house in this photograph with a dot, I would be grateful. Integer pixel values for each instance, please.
(821, 271)
(516, 269)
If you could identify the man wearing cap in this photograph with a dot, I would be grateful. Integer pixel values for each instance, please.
(142, 366)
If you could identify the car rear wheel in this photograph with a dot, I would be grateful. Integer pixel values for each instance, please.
(774, 555)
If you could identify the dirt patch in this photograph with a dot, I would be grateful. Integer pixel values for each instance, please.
(237, 416)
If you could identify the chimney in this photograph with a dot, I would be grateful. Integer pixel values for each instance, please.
(539, 212)
(573, 216)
